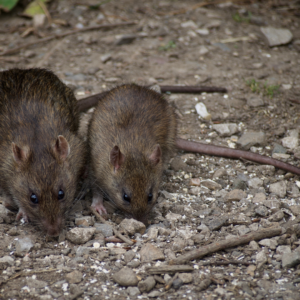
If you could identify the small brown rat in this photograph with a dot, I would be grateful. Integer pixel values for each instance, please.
(131, 137)
(41, 155)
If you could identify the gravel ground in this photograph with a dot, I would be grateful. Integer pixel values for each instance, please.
(204, 201)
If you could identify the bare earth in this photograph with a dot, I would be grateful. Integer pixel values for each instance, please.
(175, 43)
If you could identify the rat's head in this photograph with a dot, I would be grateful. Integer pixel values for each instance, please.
(45, 181)
(136, 179)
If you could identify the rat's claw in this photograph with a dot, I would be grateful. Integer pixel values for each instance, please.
(98, 205)
(21, 214)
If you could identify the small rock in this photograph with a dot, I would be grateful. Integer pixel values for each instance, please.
(253, 245)
(129, 256)
(202, 31)
(195, 181)
(281, 156)
(80, 235)
(132, 226)
(261, 258)
(178, 244)
(261, 211)
(283, 249)
(150, 252)
(7, 260)
(259, 198)
(186, 277)
(106, 229)
(295, 209)
(133, 291)
(85, 221)
(255, 183)
(226, 129)
(279, 149)
(34, 283)
(236, 195)
(74, 277)
(178, 165)
(239, 184)
(154, 294)
(242, 229)
(290, 142)
(290, 260)
(134, 264)
(222, 46)
(125, 277)
(255, 101)
(189, 24)
(13, 231)
(125, 39)
(203, 50)
(23, 246)
(220, 173)
(202, 111)
(267, 170)
(177, 283)
(217, 223)
(250, 270)
(278, 188)
(272, 204)
(147, 285)
(220, 291)
(252, 138)
(105, 57)
(76, 77)
(270, 243)
(277, 36)
(198, 238)
(278, 216)
(169, 254)
(152, 233)
(212, 185)
(39, 20)
(213, 24)
(171, 217)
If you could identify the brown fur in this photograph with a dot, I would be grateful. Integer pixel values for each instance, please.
(36, 109)
(136, 120)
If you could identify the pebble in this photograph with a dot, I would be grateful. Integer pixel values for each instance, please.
(85, 221)
(105, 57)
(255, 183)
(278, 188)
(177, 164)
(213, 24)
(203, 50)
(7, 260)
(150, 252)
(202, 111)
(212, 185)
(125, 277)
(290, 142)
(220, 173)
(243, 229)
(278, 149)
(226, 129)
(277, 36)
(217, 223)
(290, 260)
(129, 256)
(132, 226)
(169, 254)
(272, 204)
(80, 235)
(171, 217)
(278, 216)
(239, 184)
(236, 195)
(270, 243)
(261, 258)
(34, 283)
(152, 233)
(202, 31)
(147, 285)
(177, 283)
(259, 198)
(13, 231)
(106, 229)
(76, 77)
(282, 249)
(252, 138)
(222, 46)
(267, 170)
(261, 211)
(295, 209)
(198, 238)
(124, 39)
(39, 20)
(253, 245)
(154, 294)
(74, 277)
(195, 181)
(133, 291)
(281, 156)
(23, 246)
(186, 277)
(178, 244)
(255, 101)
(189, 24)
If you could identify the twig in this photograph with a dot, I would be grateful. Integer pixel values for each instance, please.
(220, 245)
(116, 232)
(225, 263)
(169, 269)
(51, 37)
(88, 102)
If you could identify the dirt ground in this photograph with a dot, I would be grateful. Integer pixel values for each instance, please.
(175, 43)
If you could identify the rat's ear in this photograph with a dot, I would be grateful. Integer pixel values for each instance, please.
(155, 156)
(116, 157)
(20, 155)
(61, 147)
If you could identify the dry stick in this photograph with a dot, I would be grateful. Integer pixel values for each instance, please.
(233, 153)
(116, 232)
(220, 245)
(51, 37)
(170, 282)
(88, 102)
(169, 269)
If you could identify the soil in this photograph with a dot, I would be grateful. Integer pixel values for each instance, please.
(174, 43)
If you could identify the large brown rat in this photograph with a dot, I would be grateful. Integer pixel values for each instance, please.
(41, 155)
(131, 137)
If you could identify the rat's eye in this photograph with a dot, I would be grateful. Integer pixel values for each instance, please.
(34, 199)
(150, 197)
(126, 197)
(61, 195)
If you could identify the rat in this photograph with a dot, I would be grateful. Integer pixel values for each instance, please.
(41, 154)
(131, 137)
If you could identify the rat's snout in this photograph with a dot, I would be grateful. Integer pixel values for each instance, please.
(53, 228)
(142, 218)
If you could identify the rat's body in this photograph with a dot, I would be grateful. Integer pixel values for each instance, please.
(41, 156)
(131, 138)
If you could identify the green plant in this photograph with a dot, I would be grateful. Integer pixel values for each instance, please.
(257, 87)
(238, 18)
(269, 90)
(254, 85)
(168, 46)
